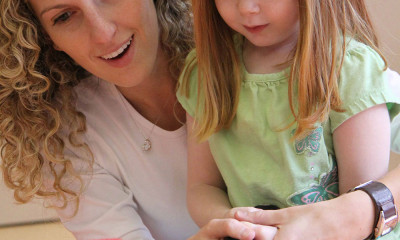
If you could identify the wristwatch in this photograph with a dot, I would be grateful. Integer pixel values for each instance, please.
(385, 209)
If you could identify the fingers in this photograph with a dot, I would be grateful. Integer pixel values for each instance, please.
(262, 232)
(265, 232)
(263, 217)
(232, 211)
(219, 228)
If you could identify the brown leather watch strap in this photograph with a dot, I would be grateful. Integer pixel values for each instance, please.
(383, 203)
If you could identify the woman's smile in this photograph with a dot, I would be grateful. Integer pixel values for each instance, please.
(120, 50)
(122, 56)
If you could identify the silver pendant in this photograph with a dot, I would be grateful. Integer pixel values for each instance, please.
(146, 145)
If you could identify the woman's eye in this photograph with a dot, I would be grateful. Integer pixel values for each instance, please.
(62, 18)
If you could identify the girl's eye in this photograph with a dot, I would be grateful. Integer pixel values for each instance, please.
(62, 18)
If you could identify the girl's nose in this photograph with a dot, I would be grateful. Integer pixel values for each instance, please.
(102, 28)
(248, 7)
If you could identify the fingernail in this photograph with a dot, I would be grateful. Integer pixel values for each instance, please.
(255, 210)
(241, 214)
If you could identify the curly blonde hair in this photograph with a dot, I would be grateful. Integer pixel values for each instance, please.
(38, 114)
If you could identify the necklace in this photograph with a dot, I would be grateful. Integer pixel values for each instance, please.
(146, 146)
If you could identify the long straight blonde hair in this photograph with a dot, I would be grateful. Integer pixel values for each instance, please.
(315, 64)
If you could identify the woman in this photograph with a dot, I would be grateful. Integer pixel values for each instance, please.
(119, 141)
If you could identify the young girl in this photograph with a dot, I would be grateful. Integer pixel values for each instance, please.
(287, 97)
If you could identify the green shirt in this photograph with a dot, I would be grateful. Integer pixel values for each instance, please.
(259, 163)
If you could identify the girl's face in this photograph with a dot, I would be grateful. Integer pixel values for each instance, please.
(265, 23)
(117, 40)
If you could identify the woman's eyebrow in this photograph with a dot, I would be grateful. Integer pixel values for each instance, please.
(52, 7)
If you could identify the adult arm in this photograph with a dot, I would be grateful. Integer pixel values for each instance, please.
(106, 210)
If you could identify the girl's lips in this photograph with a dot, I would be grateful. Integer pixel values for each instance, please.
(125, 58)
(256, 29)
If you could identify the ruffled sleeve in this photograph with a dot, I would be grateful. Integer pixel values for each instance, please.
(363, 83)
(189, 102)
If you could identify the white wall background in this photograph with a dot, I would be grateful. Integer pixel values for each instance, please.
(386, 16)
(12, 213)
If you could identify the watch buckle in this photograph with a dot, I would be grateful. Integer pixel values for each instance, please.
(385, 226)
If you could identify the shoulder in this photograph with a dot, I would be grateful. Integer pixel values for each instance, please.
(106, 118)
(103, 107)
(188, 84)
(93, 87)
(363, 82)
(96, 96)
(362, 55)
(362, 65)
(189, 72)
(191, 57)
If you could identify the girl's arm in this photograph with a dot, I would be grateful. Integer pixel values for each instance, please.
(206, 195)
(208, 202)
(350, 216)
(362, 147)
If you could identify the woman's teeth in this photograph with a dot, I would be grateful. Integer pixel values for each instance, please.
(117, 52)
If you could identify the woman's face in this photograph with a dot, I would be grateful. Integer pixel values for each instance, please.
(117, 40)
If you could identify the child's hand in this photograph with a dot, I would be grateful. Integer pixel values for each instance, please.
(219, 228)
(262, 232)
(227, 227)
(231, 213)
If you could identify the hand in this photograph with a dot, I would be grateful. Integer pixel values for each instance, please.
(345, 217)
(220, 228)
(231, 213)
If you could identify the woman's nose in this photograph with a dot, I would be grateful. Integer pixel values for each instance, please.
(247, 7)
(102, 28)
